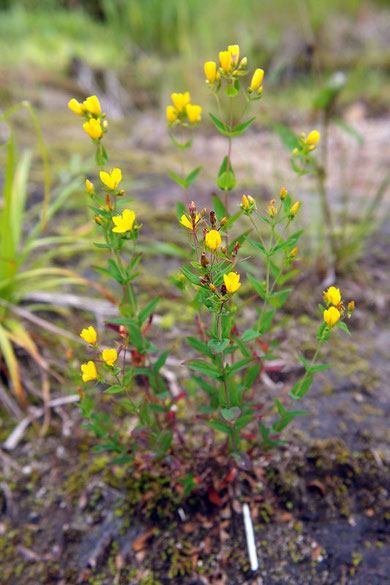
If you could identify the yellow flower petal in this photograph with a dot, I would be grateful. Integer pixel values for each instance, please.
(93, 128)
(76, 107)
(331, 316)
(89, 335)
(232, 282)
(110, 356)
(88, 371)
(92, 105)
(193, 113)
(213, 239)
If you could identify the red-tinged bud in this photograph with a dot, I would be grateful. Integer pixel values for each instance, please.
(108, 203)
(213, 219)
(205, 279)
(351, 306)
(223, 290)
(192, 209)
(203, 212)
(223, 250)
(204, 260)
(98, 220)
(122, 331)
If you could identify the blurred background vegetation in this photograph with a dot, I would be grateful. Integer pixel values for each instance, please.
(156, 46)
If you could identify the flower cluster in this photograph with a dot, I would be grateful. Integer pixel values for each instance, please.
(306, 145)
(183, 111)
(336, 310)
(95, 124)
(124, 223)
(231, 68)
(209, 251)
(108, 356)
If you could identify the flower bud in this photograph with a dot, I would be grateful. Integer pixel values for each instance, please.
(294, 252)
(283, 193)
(225, 59)
(98, 220)
(245, 202)
(105, 124)
(122, 331)
(223, 220)
(313, 138)
(223, 250)
(294, 209)
(89, 187)
(251, 200)
(256, 80)
(212, 218)
(223, 290)
(234, 50)
(351, 306)
(192, 209)
(243, 63)
(212, 287)
(210, 70)
(272, 210)
(203, 212)
(204, 260)
(171, 114)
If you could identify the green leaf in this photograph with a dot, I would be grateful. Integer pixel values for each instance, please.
(300, 388)
(279, 406)
(192, 176)
(219, 125)
(239, 365)
(219, 207)
(114, 389)
(320, 368)
(101, 157)
(231, 90)
(199, 346)
(343, 326)
(160, 361)
(204, 368)
(217, 346)
(148, 310)
(226, 178)
(226, 181)
(193, 278)
(231, 414)
(180, 209)
(258, 245)
(304, 361)
(179, 180)
(237, 130)
(249, 335)
(219, 426)
(258, 286)
(208, 388)
(252, 374)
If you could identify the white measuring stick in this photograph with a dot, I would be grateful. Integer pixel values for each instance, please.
(250, 538)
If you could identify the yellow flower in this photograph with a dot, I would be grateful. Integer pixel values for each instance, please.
(332, 295)
(257, 78)
(294, 208)
(313, 138)
(76, 107)
(180, 100)
(92, 105)
(245, 202)
(110, 356)
(210, 69)
(93, 128)
(232, 282)
(111, 180)
(331, 316)
(188, 223)
(124, 223)
(225, 59)
(213, 240)
(193, 113)
(171, 114)
(234, 50)
(89, 187)
(89, 335)
(89, 371)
